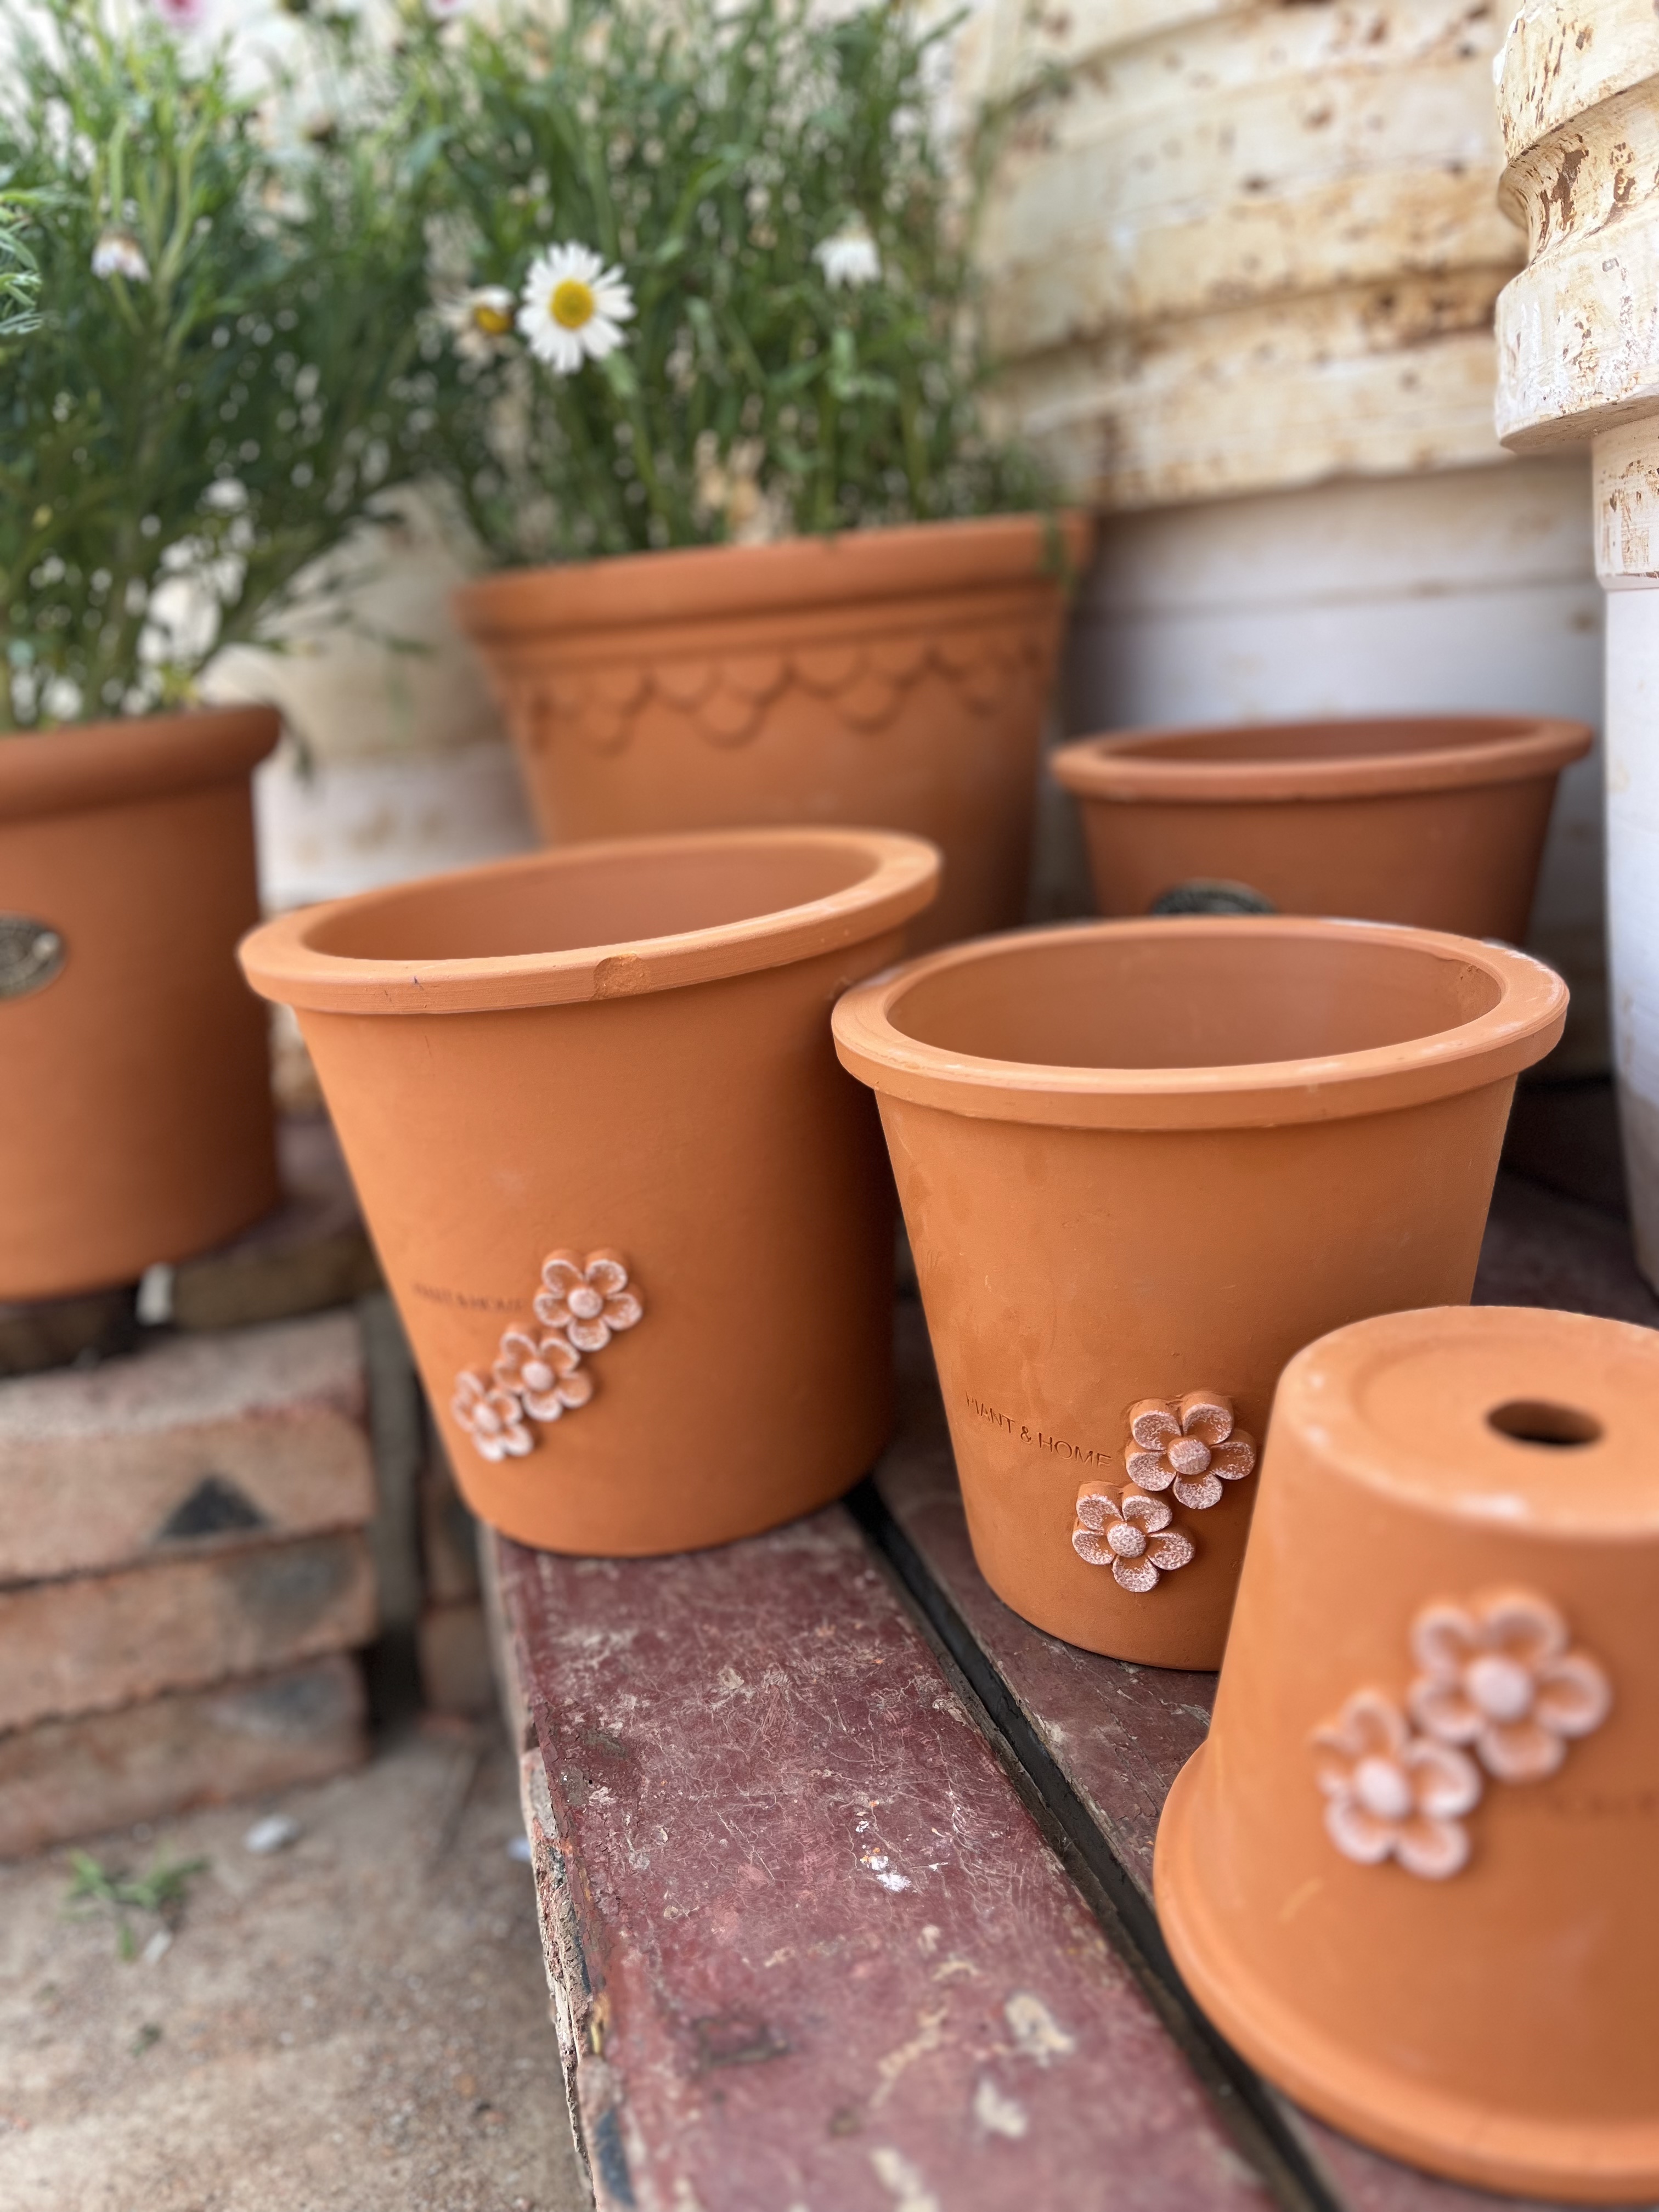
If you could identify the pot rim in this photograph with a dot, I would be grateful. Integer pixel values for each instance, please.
(1126, 766)
(281, 963)
(694, 583)
(88, 765)
(1519, 1030)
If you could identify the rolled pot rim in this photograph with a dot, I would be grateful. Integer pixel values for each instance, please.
(1128, 766)
(85, 765)
(681, 583)
(282, 963)
(1517, 1031)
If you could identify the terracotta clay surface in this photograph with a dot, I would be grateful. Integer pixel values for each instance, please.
(136, 1116)
(807, 1946)
(1113, 1737)
(635, 1218)
(1143, 1163)
(892, 677)
(1435, 821)
(1410, 1873)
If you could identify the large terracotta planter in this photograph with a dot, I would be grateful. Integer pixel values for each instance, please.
(1141, 1165)
(1410, 1873)
(1438, 821)
(635, 1219)
(134, 1112)
(896, 677)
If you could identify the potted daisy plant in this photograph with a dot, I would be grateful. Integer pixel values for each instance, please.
(709, 392)
(204, 385)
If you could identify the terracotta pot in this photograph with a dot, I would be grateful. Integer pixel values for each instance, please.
(1410, 1873)
(635, 1218)
(136, 1115)
(1141, 1165)
(891, 677)
(1438, 821)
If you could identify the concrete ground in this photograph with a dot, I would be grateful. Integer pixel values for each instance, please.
(353, 2023)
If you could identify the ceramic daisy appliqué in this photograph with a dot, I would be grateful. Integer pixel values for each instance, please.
(1499, 1693)
(1130, 1533)
(1189, 1444)
(539, 1373)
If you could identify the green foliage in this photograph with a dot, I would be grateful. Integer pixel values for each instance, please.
(161, 1892)
(709, 152)
(177, 442)
(19, 281)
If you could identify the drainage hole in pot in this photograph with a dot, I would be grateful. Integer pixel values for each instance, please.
(1534, 1421)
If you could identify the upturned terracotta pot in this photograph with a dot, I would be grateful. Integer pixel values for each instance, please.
(1410, 1873)
(1438, 821)
(135, 1113)
(635, 1219)
(1141, 1165)
(890, 677)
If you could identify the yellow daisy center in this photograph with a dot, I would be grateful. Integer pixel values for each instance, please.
(494, 322)
(572, 304)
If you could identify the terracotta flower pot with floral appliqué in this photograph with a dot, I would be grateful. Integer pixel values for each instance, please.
(895, 677)
(635, 1219)
(1434, 820)
(136, 1119)
(1410, 1874)
(1141, 1165)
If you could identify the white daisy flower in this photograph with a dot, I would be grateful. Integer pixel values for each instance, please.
(572, 307)
(849, 257)
(480, 319)
(117, 253)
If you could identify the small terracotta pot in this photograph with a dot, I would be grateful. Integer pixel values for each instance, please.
(1438, 821)
(1410, 1873)
(1141, 1165)
(635, 1218)
(892, 677)
(134, 1114)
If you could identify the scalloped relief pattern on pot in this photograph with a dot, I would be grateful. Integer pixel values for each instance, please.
(726, 696)
(538, 1375)
(1498, 1693)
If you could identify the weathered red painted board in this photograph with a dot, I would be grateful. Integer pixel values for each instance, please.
(814, 1951)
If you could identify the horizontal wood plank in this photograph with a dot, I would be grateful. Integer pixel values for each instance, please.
(809, 1948)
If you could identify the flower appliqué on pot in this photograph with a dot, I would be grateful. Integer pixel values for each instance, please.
(1189, 1445)
(538, 1373)
(493, 1419)
(1497, 1678)
(544, 1373)
(1389, 1794)
(589, 1299)
(1129, 1533)
(1499, 1689)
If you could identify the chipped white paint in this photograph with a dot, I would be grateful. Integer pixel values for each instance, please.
(904, 2183)
(1578, 349)
(884, 1871)
(929, 2035)
(997, 2114)
(1037, 2034)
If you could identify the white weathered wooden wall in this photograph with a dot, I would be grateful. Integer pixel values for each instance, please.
(1579, 345)
(1243, 259)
